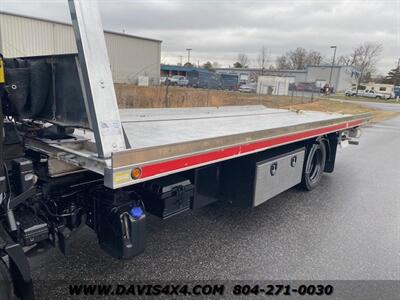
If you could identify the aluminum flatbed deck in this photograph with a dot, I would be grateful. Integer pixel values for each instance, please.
(166, 141)
(159, 127)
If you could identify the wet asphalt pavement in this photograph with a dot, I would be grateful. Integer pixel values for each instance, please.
(347, 228)
(376, 105)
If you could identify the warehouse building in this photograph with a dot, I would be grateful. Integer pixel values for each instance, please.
(131, 57)
(251, 74)
(342, 78)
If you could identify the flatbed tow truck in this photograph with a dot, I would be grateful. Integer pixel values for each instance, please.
(70, 158)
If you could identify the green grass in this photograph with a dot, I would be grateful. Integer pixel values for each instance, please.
(357, 98)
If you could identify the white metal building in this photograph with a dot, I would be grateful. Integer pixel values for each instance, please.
(130, 56)
(343, 77)
(274, 85)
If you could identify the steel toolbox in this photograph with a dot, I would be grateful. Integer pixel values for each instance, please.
(168, 196)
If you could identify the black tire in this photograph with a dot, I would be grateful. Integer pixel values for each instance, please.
(313, 166)
(6, 286)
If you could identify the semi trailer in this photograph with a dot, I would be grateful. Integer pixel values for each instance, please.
(71, 158)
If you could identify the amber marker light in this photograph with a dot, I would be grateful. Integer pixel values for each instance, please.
(136, 173)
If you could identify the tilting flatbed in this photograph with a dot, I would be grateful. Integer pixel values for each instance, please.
(165, 141)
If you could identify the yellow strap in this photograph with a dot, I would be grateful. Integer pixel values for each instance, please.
(2, 77)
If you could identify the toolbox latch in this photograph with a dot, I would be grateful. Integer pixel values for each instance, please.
(178, 191)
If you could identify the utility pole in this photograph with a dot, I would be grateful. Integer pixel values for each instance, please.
(188, 51)
(333, 63)
(180, 58)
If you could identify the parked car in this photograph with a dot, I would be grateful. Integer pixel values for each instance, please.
(351, 92)
(373, 94)
(178, 80)
(248, 88)
(307, 87)
(163, 80)
(326, 89)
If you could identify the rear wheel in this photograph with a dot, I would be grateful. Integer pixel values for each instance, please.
(314, 166)
(6, 286)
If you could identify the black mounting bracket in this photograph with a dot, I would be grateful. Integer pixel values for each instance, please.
(18, 265)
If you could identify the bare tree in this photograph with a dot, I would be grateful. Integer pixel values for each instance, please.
(298, 59)
(263, 59)
(364, 58)
(243, 60)
(313, 58)
(347, 60)
(282, 62)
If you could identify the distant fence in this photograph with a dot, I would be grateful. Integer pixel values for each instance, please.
(133, 96)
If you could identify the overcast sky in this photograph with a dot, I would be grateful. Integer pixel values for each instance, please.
(219, 30)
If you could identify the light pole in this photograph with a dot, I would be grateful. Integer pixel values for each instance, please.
(398, 70)
(188, 50)
(333, 62)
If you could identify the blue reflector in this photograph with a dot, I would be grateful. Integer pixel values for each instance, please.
(136, 212)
